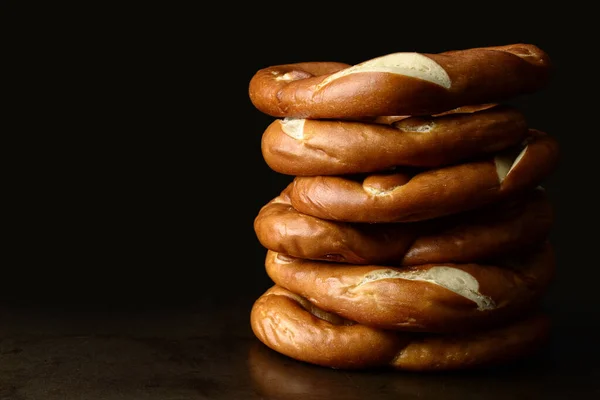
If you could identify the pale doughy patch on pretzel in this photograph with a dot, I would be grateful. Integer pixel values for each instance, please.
(414, 65)
(453, 279)
(422, 128)
(379, 192)
(293, 127)
(506, 163)
(284, 77)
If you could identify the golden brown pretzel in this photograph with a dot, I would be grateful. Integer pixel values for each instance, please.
(467, 237)
(317, 147)
(442, 297)
(290, 325)
(400, 83)
(400, 197)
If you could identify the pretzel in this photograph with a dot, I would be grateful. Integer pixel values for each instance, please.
(317, 147)
(443, 297)
(402, 197)
(481, 234)
(405, 83)
(291, 325)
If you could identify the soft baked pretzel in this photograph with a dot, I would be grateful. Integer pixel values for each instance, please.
(290, 325)
(477, 235)
(403, 197)
(405, 83)
(441, 297)
(307, 147)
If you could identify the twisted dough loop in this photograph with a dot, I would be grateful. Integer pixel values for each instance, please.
(317, 147)
(400, 83)
(426, 298)
(287, 324)
(400, 197)
(468, 237)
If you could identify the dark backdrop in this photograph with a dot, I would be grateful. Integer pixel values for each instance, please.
(141, 163)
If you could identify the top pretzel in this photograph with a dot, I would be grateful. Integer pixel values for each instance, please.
(405, 83)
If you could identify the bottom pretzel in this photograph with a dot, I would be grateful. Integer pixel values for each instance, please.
(291, 325)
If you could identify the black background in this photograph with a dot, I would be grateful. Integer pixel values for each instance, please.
(138, 168)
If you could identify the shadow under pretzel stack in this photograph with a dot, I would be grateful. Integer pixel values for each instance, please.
(414, 234)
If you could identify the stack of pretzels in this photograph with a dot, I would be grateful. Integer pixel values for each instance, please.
(414, 234)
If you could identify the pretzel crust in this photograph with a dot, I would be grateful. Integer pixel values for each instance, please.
(324, 147)
(400, 83)
(292, 326)
(467, 237)
(438, 298)
(404, 197)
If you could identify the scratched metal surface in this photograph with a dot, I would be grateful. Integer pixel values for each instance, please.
(208, 352)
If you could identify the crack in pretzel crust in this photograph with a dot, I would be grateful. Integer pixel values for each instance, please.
(414, 65)
(293, 127)
(453, 279)
(505, 163)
